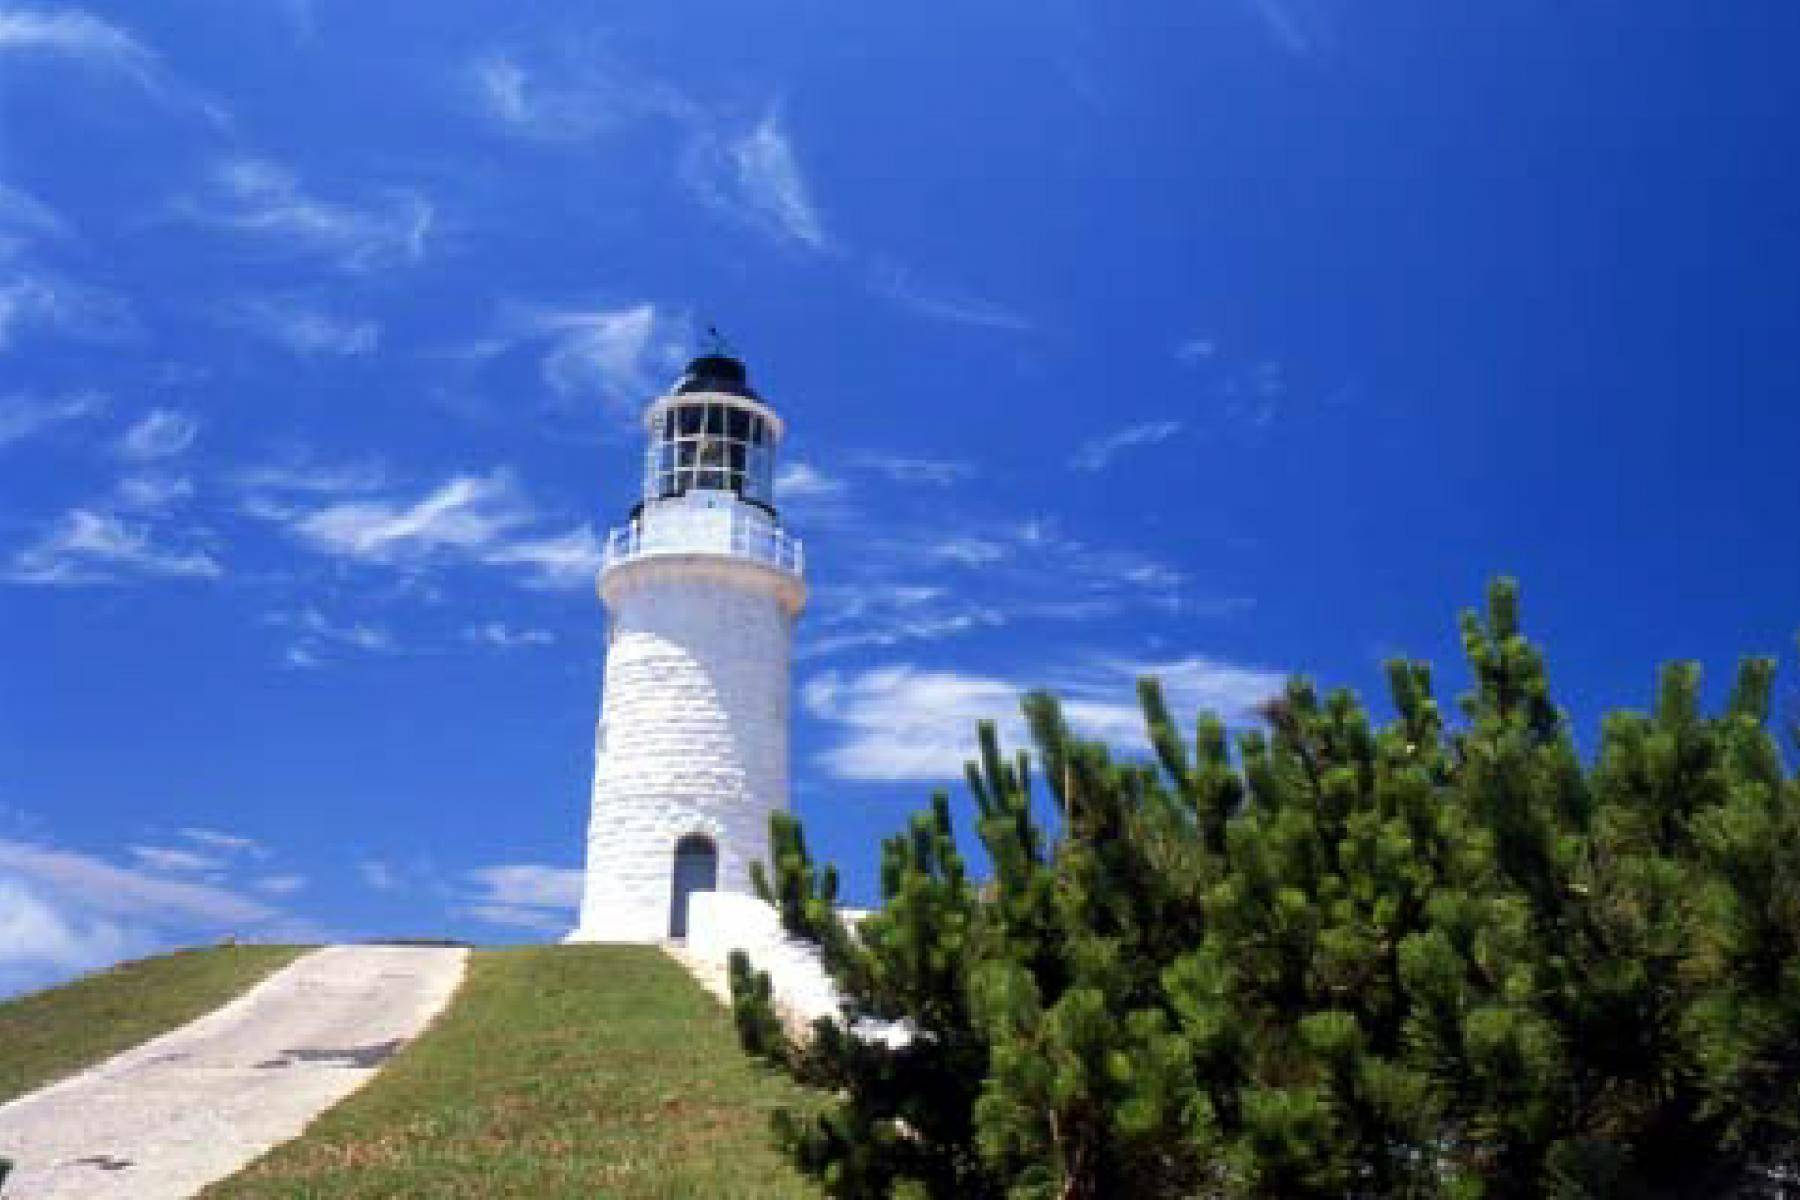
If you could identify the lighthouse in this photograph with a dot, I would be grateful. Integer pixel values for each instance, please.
(702, 588)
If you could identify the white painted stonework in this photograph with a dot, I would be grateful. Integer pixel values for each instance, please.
(702, 592)
(722, 922)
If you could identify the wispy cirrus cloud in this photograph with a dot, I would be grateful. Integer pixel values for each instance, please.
(568, 95)
(265, 205)
(468, 520)
(860, 615)
(902, 468)
(90, 546)
(523, 896)
(754, 174)
(151, 493)
(161, 433)
(23, 415)
(802, 481)
(305, 329)
(565, 560)
(468, 513)
(906, 722)
(37, 298)
(65, 911)
(902, 285)
(275, 483)
(24, 216)
(316, 637)
(36, 294)
(79, 37)
(1296, 26)
(615, 355)
(42, 941)
(1096, 454)
(502, 636)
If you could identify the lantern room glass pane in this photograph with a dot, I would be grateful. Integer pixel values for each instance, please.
(713, 445)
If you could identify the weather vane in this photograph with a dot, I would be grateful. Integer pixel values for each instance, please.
(716, 344)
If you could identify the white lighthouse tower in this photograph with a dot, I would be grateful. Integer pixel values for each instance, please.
(702, 588)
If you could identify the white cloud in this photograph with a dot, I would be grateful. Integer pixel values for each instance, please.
(768, 174)
(125, 892)
(23, 215)
(152, 493)
(888, 613)
(305, 330)
(966, 551)
(379, 875)
(568, 96)
(512, 917)
(42, 941)
(300, 474)
(468, 520)
(1097, 453)
(280, 885)
(80, 37)
(36, 296)
(616, 354)
(469, 512)
(23, 415)
(1196, 349)
(1296, 29)
(526, 896)
(501, 85)
(40, 298)
(314, 632)
(76, 34)
(802, 481)
(755, 176)
(902, 722)
(88, 546)
(1253, 394)
(530, 885)
(62, 912)
(229, 843)
(170, 859)
(901, 285)
(505, 637)
(938, 472)
(566, 560)
(262, 201)
(161, 434)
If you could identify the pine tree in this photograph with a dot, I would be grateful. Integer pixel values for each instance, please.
(1343, 959)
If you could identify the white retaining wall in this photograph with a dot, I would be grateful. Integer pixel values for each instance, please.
(720, 922)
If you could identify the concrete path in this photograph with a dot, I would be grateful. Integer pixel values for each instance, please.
(194, 1105)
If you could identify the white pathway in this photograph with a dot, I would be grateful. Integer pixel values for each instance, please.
(163, 1120)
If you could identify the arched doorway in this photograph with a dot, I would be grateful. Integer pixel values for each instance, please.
(696, 870)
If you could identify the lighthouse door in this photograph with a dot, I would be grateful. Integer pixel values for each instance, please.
(696, 870)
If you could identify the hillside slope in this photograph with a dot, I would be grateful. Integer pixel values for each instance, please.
(575, 1071)
(47, 1035)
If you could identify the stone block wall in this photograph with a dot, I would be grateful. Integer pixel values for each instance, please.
(694, 731)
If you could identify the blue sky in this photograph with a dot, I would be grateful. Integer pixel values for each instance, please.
(1220, 338)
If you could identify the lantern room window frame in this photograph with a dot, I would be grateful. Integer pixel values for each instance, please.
(711, 441)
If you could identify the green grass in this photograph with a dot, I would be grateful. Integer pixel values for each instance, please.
(50, 1034)
(577, 1071)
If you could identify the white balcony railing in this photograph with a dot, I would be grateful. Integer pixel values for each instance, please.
(724, 530)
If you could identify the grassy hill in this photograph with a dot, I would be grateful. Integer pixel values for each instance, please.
(47, 1035)
(580, 1071)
